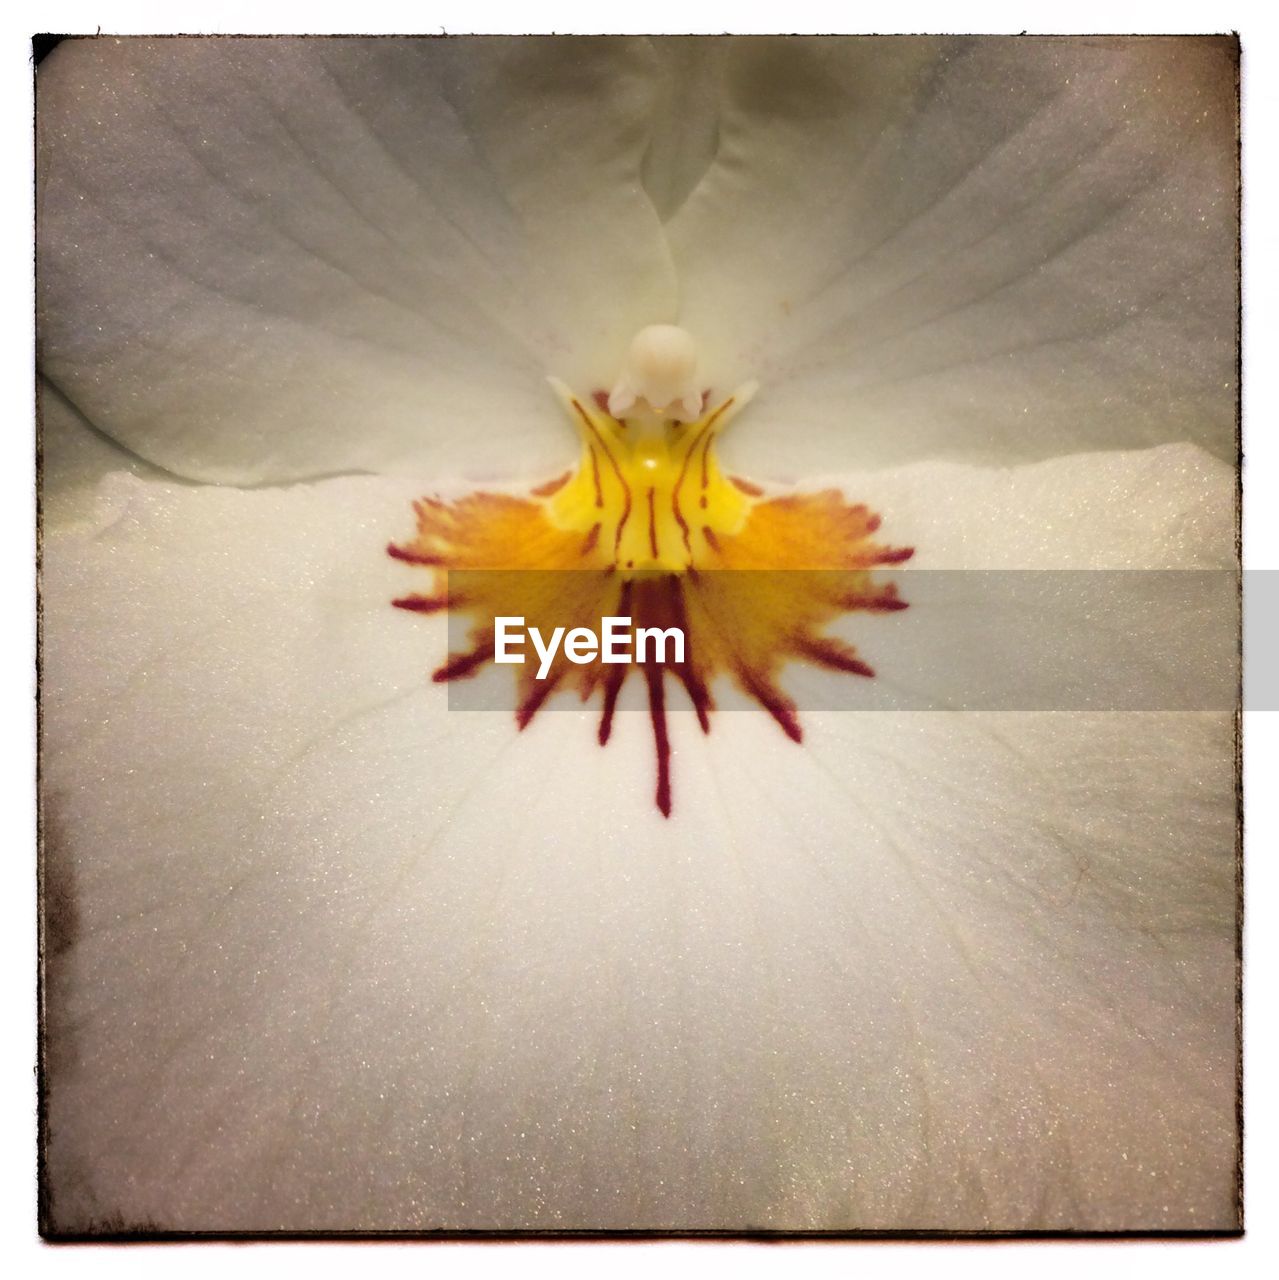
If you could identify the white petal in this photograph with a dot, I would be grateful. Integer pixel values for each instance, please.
(1173, 507)
(274, 259)
(1025, 1013)
(996, 249)
(686, 117)
(325, 954)
(74, 459)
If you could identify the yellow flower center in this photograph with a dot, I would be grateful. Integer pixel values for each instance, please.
(647, 491)
(648, 527)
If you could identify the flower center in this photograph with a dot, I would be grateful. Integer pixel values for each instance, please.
(648, 527)
(648, 492)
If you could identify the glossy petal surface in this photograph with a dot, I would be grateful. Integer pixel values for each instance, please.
(325, 952)
(990, 250)
(265, 260)
(311, 972)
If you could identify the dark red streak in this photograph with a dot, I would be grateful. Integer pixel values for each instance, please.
(617, 471)
(833, 654)
(542, 690)
(746, 487)
(698, 694)
(706, 444)
(893, 555)
(774, 702)
(422, 604)
(591, 539)
(709, 534)
(615, 674)
(595, 475)
(706, 454)
(652, 524)
(720, 412)
(657, 713)
(411, 557)
(612, 687)
(461, 665)
(874, 604)
(679, 481)
(685, 531)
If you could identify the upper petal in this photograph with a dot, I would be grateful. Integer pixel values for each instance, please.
(267, 259)
(686, 118)
(992, 249)
(74, 459)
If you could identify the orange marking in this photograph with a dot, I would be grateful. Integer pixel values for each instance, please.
(812, 555)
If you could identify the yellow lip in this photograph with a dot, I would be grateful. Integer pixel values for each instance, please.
(648, 526)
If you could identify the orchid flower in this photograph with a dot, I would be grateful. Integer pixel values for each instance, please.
(322, 953)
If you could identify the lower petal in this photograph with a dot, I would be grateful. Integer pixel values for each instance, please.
(324, 954)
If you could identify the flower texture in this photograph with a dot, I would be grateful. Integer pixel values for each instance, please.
(323, 951)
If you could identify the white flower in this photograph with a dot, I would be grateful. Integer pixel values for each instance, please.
(323, 955)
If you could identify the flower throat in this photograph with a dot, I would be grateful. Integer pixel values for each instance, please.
(648, 526)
